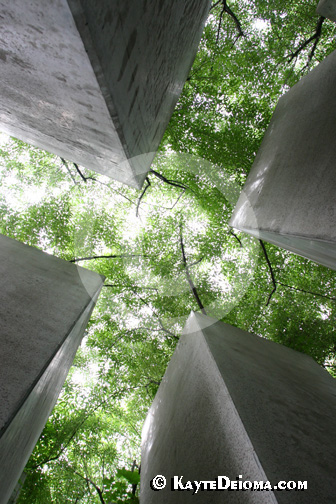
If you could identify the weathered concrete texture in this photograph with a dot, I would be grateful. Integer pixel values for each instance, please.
(327, 8)
(232, 403)
(289, 196)
(49, 95)
(45, 304)
(101, 96)
(145, 50)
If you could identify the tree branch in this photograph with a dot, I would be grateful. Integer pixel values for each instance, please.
(114, 190)
(170, 182)
(276, 282)
(236, 237)
(178, 199)
(215, 4)
(316, 37)
(190, 281)
(163, 328)
(271, 272)
(172, 207)
(150, 380)
(220, 24)
(88, 480)
(235, 19)
(113, 256)
(307, 292)
(142, 195)
(59, 453)
(68, 169)
(76, 429)
(131, 287)
(81, 174)
(230, 12)
(196, 262)
(94, 179)
(134, 487)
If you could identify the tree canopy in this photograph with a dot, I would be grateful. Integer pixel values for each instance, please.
(168, 249)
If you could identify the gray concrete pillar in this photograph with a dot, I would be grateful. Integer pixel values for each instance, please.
(327, 8)
(237, 405)
(45, 304)
(96, 82)
(289, 195)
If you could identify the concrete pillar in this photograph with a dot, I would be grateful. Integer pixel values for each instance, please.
(96, 82)
(289, 195)
(327, 8)
(45, 304)
(237, 405)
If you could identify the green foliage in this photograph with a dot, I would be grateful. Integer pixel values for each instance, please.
(91, 442)
(132, 477)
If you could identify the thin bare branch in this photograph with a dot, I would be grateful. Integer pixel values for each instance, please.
(164, 207)
(276, 282)
(235, 19)
(163, 328)
(170, 182)
(307, 291)
(94, 179)
(196, 262)
(65, 164)
(271, 271)
(150, 380)
(189, 279)
(142, 195)
(81, 174)
(77, 428)
(236, 237)
(65, 445)
(103, 469)
(178, 199)
(190, 266)
(114, 190)
(315, 37)
(135, 465)
(88, 480)
(131, 287)
(113, 256)
(230, 12)
(220, 24)
(215, 4)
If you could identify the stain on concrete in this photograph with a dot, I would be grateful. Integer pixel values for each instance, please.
(85, 104)
(36, 28)
(20, 62)
(59, 77)
(132, 79)
(127, 53)
(3, 55)
(133, 101)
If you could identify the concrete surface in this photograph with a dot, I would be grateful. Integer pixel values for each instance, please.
(96, 82)
(17, 490)
(289, 195)
(232, 403)
(45, 304)
(327, 8)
